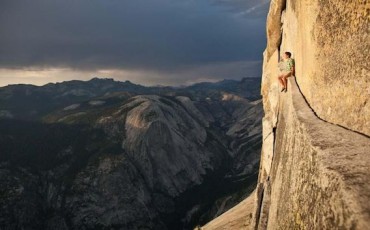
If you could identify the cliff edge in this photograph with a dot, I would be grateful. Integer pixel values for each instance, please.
(315, 162)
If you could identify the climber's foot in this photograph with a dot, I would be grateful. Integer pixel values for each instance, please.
(283, 89)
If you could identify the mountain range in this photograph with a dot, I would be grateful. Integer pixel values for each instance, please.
(105, 154)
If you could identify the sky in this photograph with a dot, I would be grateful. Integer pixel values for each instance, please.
(149, 42)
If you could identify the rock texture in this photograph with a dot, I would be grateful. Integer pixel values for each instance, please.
(315, 162)
(318, 175)
(239, 217)
(330, 41)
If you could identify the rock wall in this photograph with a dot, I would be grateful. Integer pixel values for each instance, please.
(319, 172)
(315, 162)
(330, 42)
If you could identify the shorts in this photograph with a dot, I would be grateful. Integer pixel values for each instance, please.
(285, 73)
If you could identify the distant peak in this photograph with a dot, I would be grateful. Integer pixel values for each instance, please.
(101, 79)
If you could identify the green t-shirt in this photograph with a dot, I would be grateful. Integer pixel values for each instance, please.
(289, 64)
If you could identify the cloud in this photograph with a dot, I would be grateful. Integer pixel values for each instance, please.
(210, 72)
(252, 9)
(159, 37)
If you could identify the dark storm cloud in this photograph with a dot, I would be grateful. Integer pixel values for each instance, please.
(161, 35)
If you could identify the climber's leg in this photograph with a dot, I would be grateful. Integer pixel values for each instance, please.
(281, 80)
(285, 79)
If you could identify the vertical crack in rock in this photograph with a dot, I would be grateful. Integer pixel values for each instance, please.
(260, 189)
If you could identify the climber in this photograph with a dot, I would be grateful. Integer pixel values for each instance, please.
(287, 68)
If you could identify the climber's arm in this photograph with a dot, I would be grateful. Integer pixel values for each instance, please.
(292, 70)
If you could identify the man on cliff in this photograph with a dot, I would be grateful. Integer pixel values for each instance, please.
(287, 68)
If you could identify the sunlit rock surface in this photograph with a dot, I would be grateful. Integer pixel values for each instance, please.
(315, 162)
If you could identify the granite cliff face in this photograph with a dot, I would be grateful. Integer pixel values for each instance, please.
(315, 162)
